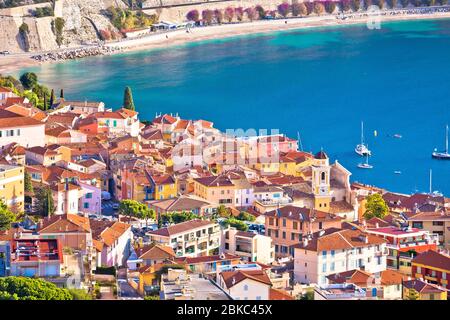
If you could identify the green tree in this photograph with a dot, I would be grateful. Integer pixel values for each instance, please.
(223, 212)
(177, 217)
(148, 214)
(52, 98)
(44, 201)
(21, 288)
(235, 223)
(245, 216)
(375, 207)
(28, 80)
(58, 26)
(28, 186)
(6, 217)
(80, 294)
(128, 99)
(133, 208)
(154, 297)
(308, 295)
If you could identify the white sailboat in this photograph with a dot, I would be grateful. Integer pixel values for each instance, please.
(365, 165)
(361, 148)
(444, 155)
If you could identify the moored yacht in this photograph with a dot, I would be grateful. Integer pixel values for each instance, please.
(444, 155)
(361, 148)
(366, 164)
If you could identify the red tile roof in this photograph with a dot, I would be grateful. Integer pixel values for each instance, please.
(433, 259)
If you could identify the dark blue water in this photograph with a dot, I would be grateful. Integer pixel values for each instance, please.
(319, 82)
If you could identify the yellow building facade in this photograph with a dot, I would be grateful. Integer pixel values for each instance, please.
(12, 187)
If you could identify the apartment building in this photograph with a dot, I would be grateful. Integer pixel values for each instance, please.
(433, 267)
(24, 131)
(337, 250)
(251, 247)
(192, 238)
(403, 244)
(436, 222)
(215, 189)
(36, 257)
(286, 226)
(12, 187)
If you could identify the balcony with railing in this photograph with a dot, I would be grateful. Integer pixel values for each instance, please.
(243, 248)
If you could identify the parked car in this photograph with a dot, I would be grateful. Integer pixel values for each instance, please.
(6, 52)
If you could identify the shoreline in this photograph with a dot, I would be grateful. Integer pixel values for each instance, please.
(18, 61)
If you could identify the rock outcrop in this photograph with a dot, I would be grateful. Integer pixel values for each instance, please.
(83, 21)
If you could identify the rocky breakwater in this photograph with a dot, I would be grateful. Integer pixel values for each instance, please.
(75, 53)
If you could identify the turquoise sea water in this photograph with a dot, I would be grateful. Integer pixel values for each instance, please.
(319, 82)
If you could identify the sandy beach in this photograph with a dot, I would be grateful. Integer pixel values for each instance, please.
(13, 62)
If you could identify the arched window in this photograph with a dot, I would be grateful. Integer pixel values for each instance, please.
(246, 288)
(323, 176)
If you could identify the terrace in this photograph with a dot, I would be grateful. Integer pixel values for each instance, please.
(35, 250)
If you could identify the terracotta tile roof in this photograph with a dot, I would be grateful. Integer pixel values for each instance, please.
(182, 227)
(162, 179)
(215, 181)
(276, 294)
(155, 252)
(5, 89)
(67, 223)
(179, 204)
(337, 239)
(41, 151)
(372, 222)
(27, 111)
(108, 232)
(166, 119)
(422, 287)
(363, 279)
(428, 216)
(153, 268)
(433, 259)
(340, 206)
(10, 119)
(301, 214)
(14, 149)
(231, 278)
(152, 135)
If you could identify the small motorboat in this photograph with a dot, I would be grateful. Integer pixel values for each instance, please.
(398, 136)
(397, 172)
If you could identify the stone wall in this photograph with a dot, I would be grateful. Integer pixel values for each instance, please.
(178, 13)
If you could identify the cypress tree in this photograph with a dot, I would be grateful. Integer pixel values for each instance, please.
(52, 98)
(48, 206)
(28, 186)
(45, 102)
(61, 95)
(128, 99)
